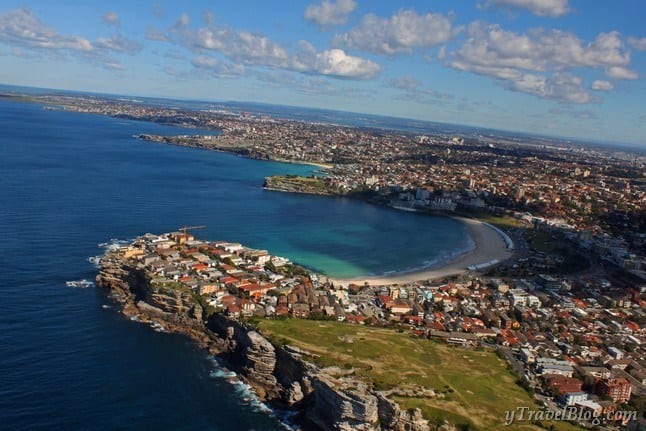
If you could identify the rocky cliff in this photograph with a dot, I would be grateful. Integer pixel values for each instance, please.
(279, 375)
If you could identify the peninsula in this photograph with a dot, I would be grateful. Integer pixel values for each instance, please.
(326, 349)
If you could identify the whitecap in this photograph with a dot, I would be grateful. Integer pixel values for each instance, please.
(83, 283)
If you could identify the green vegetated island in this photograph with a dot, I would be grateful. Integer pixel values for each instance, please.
(299, 342)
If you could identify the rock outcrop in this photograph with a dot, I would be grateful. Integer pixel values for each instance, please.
(278, 375)
(343, 405)
(394, 418)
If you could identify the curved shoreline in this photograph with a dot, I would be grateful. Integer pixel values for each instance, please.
(490, 245)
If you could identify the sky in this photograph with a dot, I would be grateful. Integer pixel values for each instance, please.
(572, 68)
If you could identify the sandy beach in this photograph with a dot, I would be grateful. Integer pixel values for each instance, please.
(489, 245)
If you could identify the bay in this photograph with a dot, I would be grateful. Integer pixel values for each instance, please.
(70, 181)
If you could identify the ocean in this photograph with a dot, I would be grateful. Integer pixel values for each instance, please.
(69, 182)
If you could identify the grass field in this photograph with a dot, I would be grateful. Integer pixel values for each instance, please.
(540, 241)
(477, 385)
(502, 221)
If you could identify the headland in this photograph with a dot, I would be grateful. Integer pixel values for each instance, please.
(208, 291)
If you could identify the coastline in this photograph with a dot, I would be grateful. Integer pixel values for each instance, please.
(489, 245)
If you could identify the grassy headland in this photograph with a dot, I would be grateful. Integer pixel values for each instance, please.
(475, 386)
(298, 184)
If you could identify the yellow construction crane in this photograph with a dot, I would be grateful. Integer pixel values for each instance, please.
(185, 229)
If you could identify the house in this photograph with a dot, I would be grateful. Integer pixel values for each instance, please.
(207, 288)
(233, 311)
(572, 398)
(618, 390)
(595, 409)
(256, 290)
(299, 310)
(499, 285)
(399, 307)
(413, 320)
(247, 307)
(150, 258)
(563, 384)
(352, 318)
(546, 366)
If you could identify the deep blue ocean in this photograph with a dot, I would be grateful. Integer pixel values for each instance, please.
(70, 181)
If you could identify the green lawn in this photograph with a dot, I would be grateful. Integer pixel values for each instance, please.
(477, 386)
(502, 221)
(540, 241)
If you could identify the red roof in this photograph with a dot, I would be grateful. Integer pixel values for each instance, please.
(228, 280)
(355, 318)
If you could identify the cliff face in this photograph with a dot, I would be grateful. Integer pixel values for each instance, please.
(133, 288)
(277, 374)
(344, 405)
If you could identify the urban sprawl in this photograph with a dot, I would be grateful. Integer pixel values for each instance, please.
(566, 310)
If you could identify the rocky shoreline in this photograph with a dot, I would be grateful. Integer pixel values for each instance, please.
(280, 375)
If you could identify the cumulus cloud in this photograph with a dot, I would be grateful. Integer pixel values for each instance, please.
(539, 62)
(562, 87)
(329, 13)
(398, 34)
(111, 18)
(549, 8)
(619, 72)
(602, 85)
(253, 49)
(333, 62)
(639, 43)
(217, 67)
(22, 28)
(539, 49)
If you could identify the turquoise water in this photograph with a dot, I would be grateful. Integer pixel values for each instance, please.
(70, 181)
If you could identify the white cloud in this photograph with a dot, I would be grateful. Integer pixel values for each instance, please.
(117, 43)
(22, 28)
(639, 43)
(550, 8)
(218, 67)
(539, 49)
(240, 46)
(114, 66)
(253, 49)
(619, 72)
(538, 62)
(398, 34)
(333, 62)
(562, 87)
(330, 13)
(602, 85)
(111, 18)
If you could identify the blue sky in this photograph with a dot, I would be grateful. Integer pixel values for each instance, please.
(559, 67)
